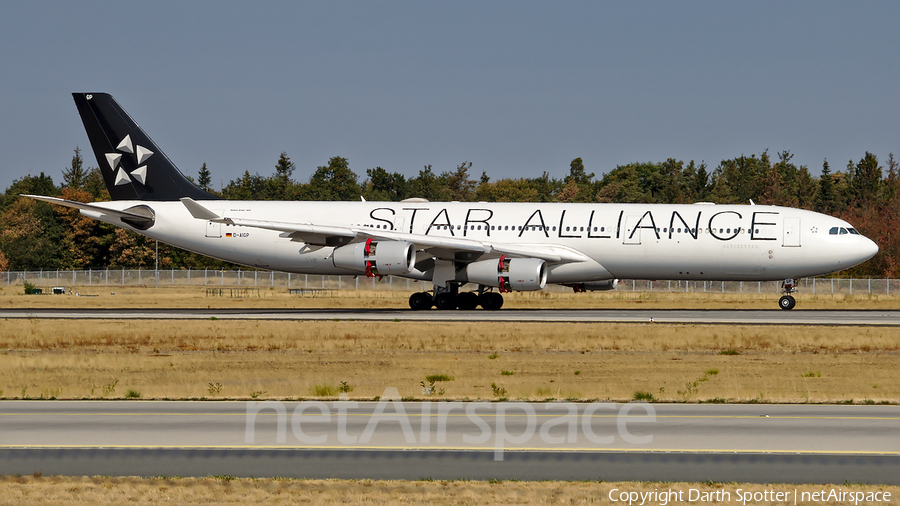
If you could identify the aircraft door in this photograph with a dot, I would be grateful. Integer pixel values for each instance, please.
(631, 235)
(214, 229)
(791, 232)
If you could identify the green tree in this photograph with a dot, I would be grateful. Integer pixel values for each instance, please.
(580, 180)
(384, 185)
(334, 181)
(30, 235)
(671, 185)
(94, 184)
(75, 176)
(695, 180)
(85, 241)
(247, 187)
(29, 185)
(508, 190)
(282, 184)
(738, 180)
(866, 180)
(825, 196)
(132, 250)
(458, 186)
(578, 173)
(204, 178)
(632, 183)
(426, 185)
(546, 187)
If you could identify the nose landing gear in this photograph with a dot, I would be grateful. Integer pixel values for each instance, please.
(787, 302)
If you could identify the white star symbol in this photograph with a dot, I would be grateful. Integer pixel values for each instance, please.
(141, 154)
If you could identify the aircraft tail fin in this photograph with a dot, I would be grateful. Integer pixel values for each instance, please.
(133, 166)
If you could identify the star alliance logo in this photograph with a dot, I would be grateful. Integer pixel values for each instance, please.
(141, 154)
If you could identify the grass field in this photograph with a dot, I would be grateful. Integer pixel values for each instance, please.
(538, 361)
(196, 297)
(227, 490)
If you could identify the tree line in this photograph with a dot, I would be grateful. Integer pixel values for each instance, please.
(36, 235)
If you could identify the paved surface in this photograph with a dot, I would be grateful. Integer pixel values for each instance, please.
(742, 317)
(756, 443)
(450, 465)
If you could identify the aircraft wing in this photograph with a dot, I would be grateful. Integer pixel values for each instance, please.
(442, 247)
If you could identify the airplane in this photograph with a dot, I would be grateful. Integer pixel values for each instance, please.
(498, 247)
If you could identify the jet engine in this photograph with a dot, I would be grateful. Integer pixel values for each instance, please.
(508, 274)
(376, 258)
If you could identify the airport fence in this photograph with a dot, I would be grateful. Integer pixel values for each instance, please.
(263, 279)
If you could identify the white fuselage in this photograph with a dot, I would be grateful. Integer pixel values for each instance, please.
(632, 241)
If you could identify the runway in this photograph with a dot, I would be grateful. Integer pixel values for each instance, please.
(454, 440)
(658, 316)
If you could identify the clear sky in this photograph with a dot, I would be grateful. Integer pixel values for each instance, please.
(515, 87)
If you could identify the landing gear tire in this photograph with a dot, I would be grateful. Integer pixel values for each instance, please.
(491, 301)
(420, 301)
(467, 301)
(787, 302)
(445, 300)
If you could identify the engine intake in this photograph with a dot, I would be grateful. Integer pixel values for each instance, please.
(508, 274)
(376, 258)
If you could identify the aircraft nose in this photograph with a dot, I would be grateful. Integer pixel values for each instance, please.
(869, 248)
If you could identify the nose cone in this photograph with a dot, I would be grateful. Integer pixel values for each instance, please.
(868, 249)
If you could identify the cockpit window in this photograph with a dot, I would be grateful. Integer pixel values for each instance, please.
(842, 231)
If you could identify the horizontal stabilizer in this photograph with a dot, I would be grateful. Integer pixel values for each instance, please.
(197, 211)
(90, 207)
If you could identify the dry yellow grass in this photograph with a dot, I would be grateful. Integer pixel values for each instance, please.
(276, 359)
(224, 490)
(75, 359)
(195, 297)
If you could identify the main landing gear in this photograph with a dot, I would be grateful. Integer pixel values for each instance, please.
(787, 302)
(453, 299)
